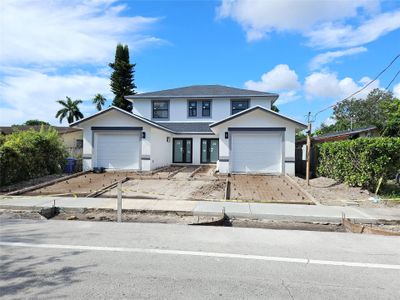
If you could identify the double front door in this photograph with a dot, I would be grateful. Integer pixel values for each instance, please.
(209, 151)
(182, 152)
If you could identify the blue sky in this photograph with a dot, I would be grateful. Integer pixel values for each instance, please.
(313, 53)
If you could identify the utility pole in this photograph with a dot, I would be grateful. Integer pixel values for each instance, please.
(308, 153)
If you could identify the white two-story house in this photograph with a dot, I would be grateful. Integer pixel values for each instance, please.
(203, 124)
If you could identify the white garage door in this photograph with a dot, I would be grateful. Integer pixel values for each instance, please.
(118, 150)
(256, 152)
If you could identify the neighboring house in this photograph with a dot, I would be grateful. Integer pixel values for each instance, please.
(204, 124)
(370, 131)
(72, 137)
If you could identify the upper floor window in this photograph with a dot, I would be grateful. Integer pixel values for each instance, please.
(239, 105)
(206, 108)
(199, 108)
(161, 109)
(192, 108)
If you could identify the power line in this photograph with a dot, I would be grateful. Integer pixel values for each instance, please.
(363, 88)
(391, 81)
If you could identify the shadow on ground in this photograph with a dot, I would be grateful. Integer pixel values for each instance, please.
(24, 275)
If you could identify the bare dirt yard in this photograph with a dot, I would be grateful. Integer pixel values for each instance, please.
(82, 185)
(329, 192)
(264, 188)
(28, 183)
(171, 189)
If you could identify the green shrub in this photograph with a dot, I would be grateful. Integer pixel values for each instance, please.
(360, 162)
(30, 154)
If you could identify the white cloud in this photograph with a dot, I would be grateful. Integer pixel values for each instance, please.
(332, 35)
(329, 121)
(280, 79)
(396, 90)
(53, 32)
(260, 17)
(28, 94)
(322, 59)
(327, 85)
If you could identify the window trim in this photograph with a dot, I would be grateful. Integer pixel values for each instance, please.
(152, 109)
(241, 100)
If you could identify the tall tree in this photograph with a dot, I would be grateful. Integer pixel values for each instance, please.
(122, 78)
(99, 101)
(379, 108)
(35, 122)
(69, 110)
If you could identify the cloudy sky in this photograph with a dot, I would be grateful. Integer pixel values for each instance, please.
(313, 53)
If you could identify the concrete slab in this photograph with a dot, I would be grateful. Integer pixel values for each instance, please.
(216, 208)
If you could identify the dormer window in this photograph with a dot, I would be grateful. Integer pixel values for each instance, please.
(239, 105)
(160, 109)
(199, 108)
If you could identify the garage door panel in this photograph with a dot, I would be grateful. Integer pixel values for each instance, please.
(118, 150)
(256, 152)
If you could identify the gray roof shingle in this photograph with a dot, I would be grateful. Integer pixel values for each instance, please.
(194, 91)
(186, 127)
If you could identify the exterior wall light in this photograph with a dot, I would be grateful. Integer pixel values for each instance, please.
(226, 134)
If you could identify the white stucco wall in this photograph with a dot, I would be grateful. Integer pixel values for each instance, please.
(258, 118)
(178, 108)
(161, 149)
(112, 118)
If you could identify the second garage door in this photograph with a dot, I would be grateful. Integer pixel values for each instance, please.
(258, 152)
(118, 150)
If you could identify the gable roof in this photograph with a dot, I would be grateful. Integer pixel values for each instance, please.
(61, 129)
(188, 127)
(147, 121)
(255, 108)
(203, 91)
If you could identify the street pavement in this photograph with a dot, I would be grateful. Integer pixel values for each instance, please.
(48, 259)
(269, 211)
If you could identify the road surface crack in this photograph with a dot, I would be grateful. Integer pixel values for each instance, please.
(287, 289)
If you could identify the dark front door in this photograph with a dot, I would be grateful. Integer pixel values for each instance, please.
(182, 151)
(209, 150)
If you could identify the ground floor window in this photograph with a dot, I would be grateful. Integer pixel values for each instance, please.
(209, 150)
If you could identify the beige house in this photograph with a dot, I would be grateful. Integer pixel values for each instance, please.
(72, 137)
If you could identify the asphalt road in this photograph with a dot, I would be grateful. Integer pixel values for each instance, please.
(90, 260)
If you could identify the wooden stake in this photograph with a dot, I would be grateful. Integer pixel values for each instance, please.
(119, 202)
(308, 164)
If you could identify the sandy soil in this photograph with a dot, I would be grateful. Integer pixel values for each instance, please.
(329, 192)
(81, 185)
(277, 189)
(163, 189)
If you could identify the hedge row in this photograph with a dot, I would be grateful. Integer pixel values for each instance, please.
(360, 162)
(30, 154)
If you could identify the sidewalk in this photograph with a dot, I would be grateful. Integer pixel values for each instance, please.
(286, 212)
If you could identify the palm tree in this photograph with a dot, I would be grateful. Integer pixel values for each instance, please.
(99, 101)
(70, 110)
